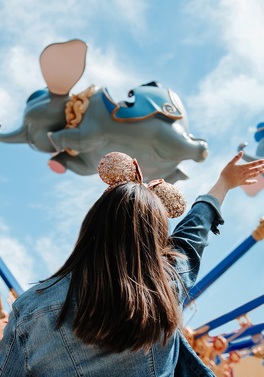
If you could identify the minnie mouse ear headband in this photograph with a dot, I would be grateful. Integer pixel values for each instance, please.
(117, 168)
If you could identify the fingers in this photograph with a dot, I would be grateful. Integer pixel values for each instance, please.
(254, 172)
(255, 163)
(250, 182)
(237, 157)
(255, 169)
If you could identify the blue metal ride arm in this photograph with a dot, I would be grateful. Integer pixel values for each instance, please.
(238, 312)
(9, 279)
(219, 269)
(245, 344)
(250, 331)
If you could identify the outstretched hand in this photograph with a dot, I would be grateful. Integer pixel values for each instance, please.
(243, 174)
(234, 175)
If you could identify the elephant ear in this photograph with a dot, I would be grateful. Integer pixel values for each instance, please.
(62, 65)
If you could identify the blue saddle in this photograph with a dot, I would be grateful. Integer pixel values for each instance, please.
(150, 101)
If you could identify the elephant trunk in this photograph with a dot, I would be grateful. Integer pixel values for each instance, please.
(17, 136)
(193, 148)
(202, 149)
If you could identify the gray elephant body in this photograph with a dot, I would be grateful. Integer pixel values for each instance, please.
(159, 145)
(153, 129)
(44, 112)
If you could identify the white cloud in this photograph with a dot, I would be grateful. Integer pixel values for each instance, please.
(233, 91)
(18, 260)
(52, 252)
(3, 227)
(7, 114)
(24, 69)
(44, 22)
(38, 16)
(225, 97)
(73, 198)
(242, 24)
(67, 205)
(133, 12)
(19, 78)
(104, 70)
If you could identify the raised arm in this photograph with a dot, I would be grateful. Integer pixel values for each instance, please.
(234, 175)
(191, 234)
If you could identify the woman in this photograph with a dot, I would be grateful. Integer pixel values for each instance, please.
(114, 307)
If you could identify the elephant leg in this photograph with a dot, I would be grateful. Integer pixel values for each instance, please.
(176, 175)
(63, 161)
(66, 138)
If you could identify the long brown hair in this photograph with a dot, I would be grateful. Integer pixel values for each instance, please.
(121, 273)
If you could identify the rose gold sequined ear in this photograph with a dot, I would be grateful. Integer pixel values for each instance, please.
(139, 176)
(116, 168)
(171, 197)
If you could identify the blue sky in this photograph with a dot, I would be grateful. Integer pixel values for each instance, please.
(210, 53)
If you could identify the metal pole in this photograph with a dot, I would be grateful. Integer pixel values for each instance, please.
(225, 318)
(9, 279)
(218, 270)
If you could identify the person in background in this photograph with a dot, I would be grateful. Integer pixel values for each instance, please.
(114, 308)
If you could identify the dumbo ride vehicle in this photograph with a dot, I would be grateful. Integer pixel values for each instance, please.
(252, 190)
(78, 130)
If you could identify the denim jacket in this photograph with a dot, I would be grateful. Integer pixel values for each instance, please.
(32, 346)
